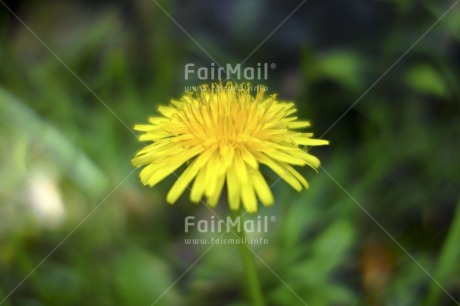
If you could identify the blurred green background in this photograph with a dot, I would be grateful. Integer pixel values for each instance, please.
(379, 226)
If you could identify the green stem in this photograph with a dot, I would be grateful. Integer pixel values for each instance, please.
(249, 266)
(448, 259)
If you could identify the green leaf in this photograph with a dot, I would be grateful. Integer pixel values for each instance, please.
(142, 279)
(425, 79)
(342, 67)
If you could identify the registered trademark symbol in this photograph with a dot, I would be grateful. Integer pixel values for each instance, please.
(273, 66)
(272, 218)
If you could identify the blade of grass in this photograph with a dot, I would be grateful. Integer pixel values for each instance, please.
(447, 264)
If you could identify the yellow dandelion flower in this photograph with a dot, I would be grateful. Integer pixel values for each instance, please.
(223, 134)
